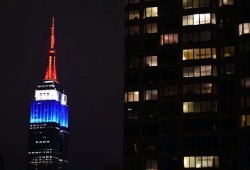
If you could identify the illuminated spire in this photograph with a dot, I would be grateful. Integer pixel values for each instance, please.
(52, 41)
(51, 68)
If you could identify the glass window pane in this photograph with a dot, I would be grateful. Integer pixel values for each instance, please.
(190, 20)
(184, 20)
(154, 11)
(192, 162)
(186, 162)
(185, 107)
(210, 161)
(197, 71)
(191, 106)
(185, 72)
(197, 53)
(196, 19)
(136, 96)
(198, 162)
(154, 61)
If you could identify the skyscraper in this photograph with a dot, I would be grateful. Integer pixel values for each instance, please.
(48, 129)
(187, 84)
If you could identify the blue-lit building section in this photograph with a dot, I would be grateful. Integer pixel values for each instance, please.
(64, 116)
(46, 111)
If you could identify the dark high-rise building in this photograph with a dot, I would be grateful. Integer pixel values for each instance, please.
(48, 129)
(187, 84)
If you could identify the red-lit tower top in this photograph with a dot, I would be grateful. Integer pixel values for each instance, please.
(51, 68)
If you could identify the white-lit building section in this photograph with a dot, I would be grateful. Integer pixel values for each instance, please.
(50, 94)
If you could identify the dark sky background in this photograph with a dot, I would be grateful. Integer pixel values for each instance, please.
(89, 44)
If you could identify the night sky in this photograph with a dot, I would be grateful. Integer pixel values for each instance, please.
(89, 44)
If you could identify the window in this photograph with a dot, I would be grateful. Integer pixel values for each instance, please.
(187, 4)
(132, 46)
(245, 82)
(228, 69)
(132, 30)
(150, 95)
(132, 96)
(198, 19)
(133, 63)
(150, 112)
(150, 61)
(228, 51)
(199, 71)
(199, 106)
(132, 114)
(169, 38)
(170, 90)
(245, 102)
(198, 53)
(226, 2)
(245, 120)
(133, 14)
(244, 46)
(151, 12)
(150, 28)
(201, 161)
(197, 36)
(199, 88)
(244, 28)
(151, 165)
(131, 2)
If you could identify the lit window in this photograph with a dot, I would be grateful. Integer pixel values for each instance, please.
(245, 120)
(226, 2)
(151, 28)
(151, 12)
(198, 53)
(150, 95)
(150, 61)
(201, 161)
(132, 96)
(199, 106)
(198, 19)
(133, 14)
(244, 28)
(151, 165)
(169, 38)
(199, 71)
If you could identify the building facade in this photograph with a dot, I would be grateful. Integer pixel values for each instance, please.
(187, 84)
(48, 128)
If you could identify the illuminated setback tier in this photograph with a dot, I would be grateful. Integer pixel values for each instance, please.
(50, 105)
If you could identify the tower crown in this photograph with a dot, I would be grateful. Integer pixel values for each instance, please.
(51, 67)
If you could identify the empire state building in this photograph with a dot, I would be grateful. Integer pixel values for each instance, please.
(48, 128)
